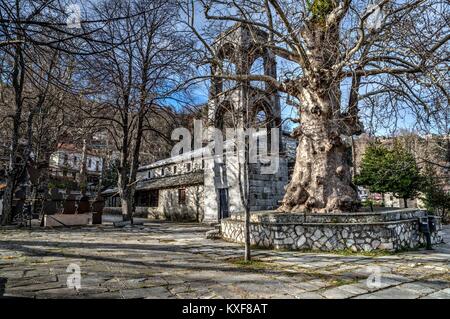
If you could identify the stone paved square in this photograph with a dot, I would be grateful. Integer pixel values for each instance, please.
(174, 260)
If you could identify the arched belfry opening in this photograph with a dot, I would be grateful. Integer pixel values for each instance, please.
(225, 116)
(242, 103)
(242, 51)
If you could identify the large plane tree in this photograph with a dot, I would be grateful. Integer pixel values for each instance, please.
(347, 59)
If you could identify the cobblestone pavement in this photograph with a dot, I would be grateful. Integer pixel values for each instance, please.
(170, 260)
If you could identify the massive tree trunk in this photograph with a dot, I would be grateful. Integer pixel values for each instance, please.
(321, 181)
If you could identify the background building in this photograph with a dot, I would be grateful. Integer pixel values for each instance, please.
(66, 162)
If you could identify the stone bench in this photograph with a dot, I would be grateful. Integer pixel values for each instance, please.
(62, 220)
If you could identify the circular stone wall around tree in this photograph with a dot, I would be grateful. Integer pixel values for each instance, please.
(391, 230)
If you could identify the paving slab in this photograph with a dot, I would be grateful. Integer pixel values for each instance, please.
(442, 294)
(391, 293)
(336, 293)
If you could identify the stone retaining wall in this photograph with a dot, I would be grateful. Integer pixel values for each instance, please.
(393, 231)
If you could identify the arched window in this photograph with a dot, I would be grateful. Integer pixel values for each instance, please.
(261, 119)
(225, 117)
(262, 116)
(257, 68)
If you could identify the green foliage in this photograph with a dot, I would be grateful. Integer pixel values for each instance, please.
(82, 185)
(436, 199)
(371, 174)
(390, 170)
(368, 203)
(110, 176)
(319, 9)
(63, 184)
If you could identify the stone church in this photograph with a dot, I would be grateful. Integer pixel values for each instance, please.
(197, 187)
(205, 185)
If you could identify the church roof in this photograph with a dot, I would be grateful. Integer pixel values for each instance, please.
(191, 178)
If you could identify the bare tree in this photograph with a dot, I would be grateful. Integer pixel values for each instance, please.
(33, 35)
(36, 122)
(135, 79)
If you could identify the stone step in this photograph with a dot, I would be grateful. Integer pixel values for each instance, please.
(213, 234)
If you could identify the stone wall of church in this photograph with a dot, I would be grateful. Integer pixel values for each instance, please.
(169, 205)
(267, 190)
(170, 208)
